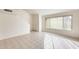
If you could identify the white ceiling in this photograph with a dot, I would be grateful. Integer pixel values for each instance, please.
(37, 11)
(46, 11)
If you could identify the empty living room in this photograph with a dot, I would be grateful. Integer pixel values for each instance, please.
(39, 29)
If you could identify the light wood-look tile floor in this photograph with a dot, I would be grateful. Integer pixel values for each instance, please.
(40, 40)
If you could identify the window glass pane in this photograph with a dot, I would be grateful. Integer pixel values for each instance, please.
(67, 22)
(53, 23)
(60, 23)
(48, 23)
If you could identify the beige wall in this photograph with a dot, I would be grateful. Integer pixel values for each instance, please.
(75, 24)
(35, 22)
(14, 24)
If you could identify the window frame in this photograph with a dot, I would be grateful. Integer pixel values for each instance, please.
(63, 22)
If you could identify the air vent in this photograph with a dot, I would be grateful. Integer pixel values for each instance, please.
(7, 10)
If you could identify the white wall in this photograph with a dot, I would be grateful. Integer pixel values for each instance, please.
(14, 24)
(40, 23)
(75, 24)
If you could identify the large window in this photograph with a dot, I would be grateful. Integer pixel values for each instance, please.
(59, 23)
